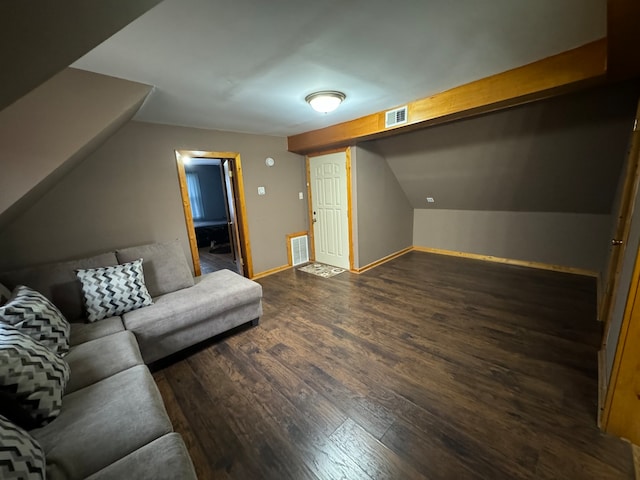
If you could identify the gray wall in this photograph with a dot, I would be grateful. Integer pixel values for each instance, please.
(127, 193)
(384, 215)
(571, 240)
(532, 183)
(45, 133)
(559, 155)
(211, 189)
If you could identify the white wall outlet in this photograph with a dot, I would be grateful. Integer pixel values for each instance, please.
(261, 191)
(301, 195)
(430, 200)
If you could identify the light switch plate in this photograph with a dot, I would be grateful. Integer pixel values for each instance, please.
(261, 191)
(300, 195)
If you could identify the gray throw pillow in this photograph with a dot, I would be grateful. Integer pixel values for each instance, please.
(32, 379)
(34, 314)
(21, 456)
(111, 291)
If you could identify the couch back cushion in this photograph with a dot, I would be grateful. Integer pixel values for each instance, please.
(58, 282)
(165, 266)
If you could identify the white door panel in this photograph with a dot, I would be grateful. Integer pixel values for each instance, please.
(330, 208)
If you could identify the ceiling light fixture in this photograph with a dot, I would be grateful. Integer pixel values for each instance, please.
(326, 101)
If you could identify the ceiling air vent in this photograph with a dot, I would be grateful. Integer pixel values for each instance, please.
(394, 117)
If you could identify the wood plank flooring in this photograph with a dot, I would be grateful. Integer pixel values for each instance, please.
(212, 262)
(426, 367)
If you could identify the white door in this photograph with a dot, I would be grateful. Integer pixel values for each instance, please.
(330, 209)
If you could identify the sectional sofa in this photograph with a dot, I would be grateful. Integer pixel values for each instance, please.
(111, 422)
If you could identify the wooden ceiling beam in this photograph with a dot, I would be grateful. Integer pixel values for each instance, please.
(554, 75)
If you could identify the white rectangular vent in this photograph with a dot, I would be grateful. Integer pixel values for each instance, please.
(299, 250)
(395, 117)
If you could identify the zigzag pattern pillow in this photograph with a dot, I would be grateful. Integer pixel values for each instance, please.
(32, 379)
(110, 291)
(35, 315)
(21, 457)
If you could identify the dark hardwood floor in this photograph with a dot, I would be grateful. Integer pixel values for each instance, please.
(426, 367)
(211, 262)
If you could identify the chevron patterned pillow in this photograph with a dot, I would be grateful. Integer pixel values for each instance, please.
(32, 379)
(35, 315)
(21, 456)
(110, 291)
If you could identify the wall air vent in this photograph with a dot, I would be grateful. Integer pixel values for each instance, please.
(395, 117)
(299, 250)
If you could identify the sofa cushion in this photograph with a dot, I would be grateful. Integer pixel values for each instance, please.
(58, 282)
(102, 423)
(32, 379)
(85, 332)
(98, 359)
(32, 313)
(165, 266)
(113, 290)
(163, 459)
(183, 318)
(21, 457)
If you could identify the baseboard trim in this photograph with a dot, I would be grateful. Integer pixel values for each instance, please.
(382, 260)
(266, 273)
(510, 261)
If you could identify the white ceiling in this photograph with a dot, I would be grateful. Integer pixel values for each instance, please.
(247, 65)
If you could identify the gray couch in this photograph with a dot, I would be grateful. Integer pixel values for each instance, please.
(113, 424)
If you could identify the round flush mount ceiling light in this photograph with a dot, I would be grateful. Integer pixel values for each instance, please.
(326, 101)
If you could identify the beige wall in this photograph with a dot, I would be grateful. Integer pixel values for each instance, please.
(45, 133)
(384, 215)
(572, 240)
(127, 192)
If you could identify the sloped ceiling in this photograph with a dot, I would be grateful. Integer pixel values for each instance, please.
(247, 65)
(39, 38)
(559, 155)
(46, 132)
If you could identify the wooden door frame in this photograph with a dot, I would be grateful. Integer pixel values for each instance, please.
(621, 399)
(623, 226)
(312, 249)
(241, 209)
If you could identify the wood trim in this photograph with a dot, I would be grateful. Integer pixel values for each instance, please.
(621, 399)
(242, 212)
(188, 217)
(347, 153)
(383, 260)
(623, 228)
(288, 238)
(241, 209)
(312, 243)
(567, 71)
(623, 37)
(266, 273)
(509, 261)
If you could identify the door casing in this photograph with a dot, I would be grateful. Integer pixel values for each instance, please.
(236, 181)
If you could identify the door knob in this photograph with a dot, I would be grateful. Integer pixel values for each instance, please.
(616, 242)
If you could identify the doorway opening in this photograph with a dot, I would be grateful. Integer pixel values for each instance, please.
(213, 201)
